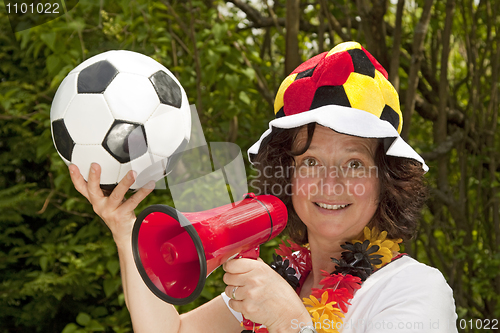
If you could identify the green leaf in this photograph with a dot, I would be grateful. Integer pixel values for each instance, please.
(60, 179)
(43, 263)
(212, 56)
(121, 299)
(83, 319)
(233, 67)
(110, 286)
(53, 63)
(218, 30)
(77, 25)
(25, 38)
(70, 328)
(113, 267)
(232, 80)
(50, 39)
(249, 72)
(100, 311)
(44, 149)
(94, 326)
(222, 48)
(244, 97)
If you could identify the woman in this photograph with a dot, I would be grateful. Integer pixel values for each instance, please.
(340, 165)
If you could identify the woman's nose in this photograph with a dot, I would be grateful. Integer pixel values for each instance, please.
(331, 180)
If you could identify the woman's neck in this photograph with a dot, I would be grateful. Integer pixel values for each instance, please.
(320, 261)
(321, 254)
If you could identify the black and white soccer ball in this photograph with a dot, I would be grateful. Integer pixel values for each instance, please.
(123, 110)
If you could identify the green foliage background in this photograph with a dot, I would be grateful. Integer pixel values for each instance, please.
(59, 269)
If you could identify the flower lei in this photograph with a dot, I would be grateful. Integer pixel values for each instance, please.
(360, 260)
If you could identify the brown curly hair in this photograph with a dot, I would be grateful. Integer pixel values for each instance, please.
(402, 186)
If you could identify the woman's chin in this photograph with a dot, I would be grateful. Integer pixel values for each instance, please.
(335, 231)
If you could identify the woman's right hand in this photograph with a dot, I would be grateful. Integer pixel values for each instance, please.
(117, 213)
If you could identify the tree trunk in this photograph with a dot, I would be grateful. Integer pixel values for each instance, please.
(418, 50)
(292, 55)
(394, 67)
(440, 126)
(321, 29)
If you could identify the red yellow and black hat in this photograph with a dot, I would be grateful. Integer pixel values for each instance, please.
(346, 90)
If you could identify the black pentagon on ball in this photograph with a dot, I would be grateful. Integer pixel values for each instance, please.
(95, 78)
(125, 141)
(167, 89)
(327, 95)
(391, 116)
(63, 141)
(108, 188)
(362, 63)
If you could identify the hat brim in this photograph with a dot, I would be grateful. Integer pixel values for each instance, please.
(348, 121)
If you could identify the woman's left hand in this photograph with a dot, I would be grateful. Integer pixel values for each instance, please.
(262, 295)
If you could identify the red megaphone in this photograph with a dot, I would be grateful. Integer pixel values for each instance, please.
(174, 251)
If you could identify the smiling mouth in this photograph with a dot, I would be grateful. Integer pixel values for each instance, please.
(331, 207)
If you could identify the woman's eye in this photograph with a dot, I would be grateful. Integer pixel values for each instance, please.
(310, 162)
(355, 164)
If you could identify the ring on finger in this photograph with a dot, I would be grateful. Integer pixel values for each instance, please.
(233, 296)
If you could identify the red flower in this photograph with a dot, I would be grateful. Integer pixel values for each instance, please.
(247, 324)
(299, 257)
(254, 327)
(335, 281)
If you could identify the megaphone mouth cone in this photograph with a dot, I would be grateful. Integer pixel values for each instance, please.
(160, 235)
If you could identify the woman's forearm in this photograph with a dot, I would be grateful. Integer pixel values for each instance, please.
(148, 313)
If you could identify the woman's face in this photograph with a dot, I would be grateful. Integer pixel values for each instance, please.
(335, 184)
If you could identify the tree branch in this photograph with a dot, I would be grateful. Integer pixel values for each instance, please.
(259, 21)
(332, 21)
(184, 28)
(455, 208)
(253, 14)
(373, 25)
(444, 147)
(428, 111)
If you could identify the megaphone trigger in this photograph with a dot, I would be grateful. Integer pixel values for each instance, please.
(174, 251)
(250, 254)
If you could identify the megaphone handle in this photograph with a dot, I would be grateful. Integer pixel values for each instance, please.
(250, 254)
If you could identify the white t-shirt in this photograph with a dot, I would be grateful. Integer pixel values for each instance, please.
(404, 296)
